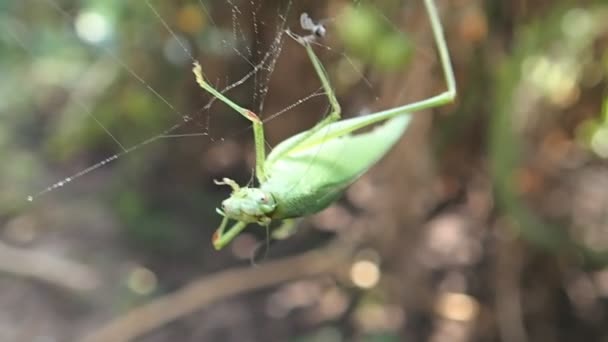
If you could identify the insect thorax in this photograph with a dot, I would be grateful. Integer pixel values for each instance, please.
(292, 204)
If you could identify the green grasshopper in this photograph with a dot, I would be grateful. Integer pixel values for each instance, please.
(310, 170)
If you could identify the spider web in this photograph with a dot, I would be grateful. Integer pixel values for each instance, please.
(260, 60)
(231, 30)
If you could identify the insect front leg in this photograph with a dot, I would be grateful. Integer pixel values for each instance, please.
(221, 238)
(258, 129)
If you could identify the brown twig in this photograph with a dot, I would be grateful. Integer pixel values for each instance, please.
(208, 289)
(60, 272)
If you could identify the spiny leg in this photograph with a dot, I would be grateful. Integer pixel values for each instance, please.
(258, 129)
(446, 97)
(336, 110)
(361, 122)
(438, 100)
(318, 31)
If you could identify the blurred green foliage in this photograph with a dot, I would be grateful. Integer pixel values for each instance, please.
(367, 33)
(551, 62)
(76, 72)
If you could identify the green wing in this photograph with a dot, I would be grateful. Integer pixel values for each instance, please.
(310, 175)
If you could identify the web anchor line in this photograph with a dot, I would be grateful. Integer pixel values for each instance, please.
(266, 65)
(164, 134)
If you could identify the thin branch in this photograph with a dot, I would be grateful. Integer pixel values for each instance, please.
(209, 289)
(56, 271)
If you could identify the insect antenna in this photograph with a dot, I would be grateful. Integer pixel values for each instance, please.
(260, 252)
(251, 180)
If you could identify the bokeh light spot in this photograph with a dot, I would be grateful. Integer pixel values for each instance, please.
(365, 274)
(142, 281)
(457, 306)
(92, 27)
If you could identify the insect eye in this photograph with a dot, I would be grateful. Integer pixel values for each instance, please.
(263, 199)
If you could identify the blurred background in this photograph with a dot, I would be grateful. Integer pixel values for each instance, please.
(488, 221)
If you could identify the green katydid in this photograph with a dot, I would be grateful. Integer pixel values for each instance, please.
(308, 171)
